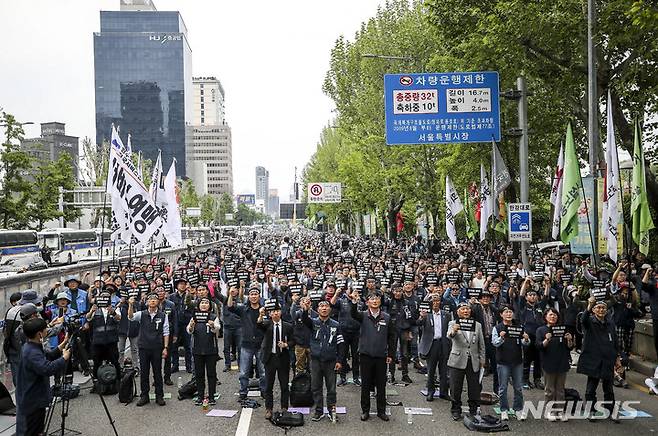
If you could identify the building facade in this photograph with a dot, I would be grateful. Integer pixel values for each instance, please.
(143, 80)
(273, 204)
(263, 187)
(210, 160)
(52, 143)
(208, 106)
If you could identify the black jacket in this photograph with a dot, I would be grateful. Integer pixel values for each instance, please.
(377, 336)
(266, 327)
(555, 356)
(599, 347)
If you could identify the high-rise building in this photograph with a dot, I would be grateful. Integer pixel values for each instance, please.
(52, 143)
(143, 78)
(263, 186)
(210, 159)
(274, 203)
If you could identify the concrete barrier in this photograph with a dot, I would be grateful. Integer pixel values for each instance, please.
(643, 344)
(42, 281)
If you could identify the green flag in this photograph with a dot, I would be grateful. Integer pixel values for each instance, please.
(471, 223)
(571, 197)
(642, 221)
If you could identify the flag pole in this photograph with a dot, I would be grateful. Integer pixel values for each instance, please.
(589, 225)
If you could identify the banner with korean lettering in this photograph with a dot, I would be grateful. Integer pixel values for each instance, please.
(134, 201)
(442, 108)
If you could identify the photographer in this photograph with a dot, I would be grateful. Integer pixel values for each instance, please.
(153, 346)
(33, 393)
(104, 324)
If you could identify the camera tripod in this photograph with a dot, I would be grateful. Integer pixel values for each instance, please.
(63, 390)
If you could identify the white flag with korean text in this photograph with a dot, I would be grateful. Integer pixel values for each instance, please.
(453, 207)
(556, 194)
(486, 203)
(173, 223)
(611, 197)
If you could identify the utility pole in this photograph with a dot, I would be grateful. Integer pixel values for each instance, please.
(593, 122)
(294, 202)
(60, 206)
(523, 154)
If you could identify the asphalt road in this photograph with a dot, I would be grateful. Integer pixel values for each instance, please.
(87, 415)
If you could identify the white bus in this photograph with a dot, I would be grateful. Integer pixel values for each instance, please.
(197, 235)
(69, 245)
(17, 243)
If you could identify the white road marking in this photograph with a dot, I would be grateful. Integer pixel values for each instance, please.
(245, 420)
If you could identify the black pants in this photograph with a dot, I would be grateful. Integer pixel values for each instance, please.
(109, 352)
(608, 393)
(457, 384)
(185, 341)
(405, 352)
(205, 365)
(373, 371)
(352, 342)
(437, 358)
(323, 371)
(531, 357)
(490, 357)
(655, 334)
(35, 423)
(150, 358)
(277, 366)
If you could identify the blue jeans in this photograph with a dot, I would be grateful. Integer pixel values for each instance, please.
(246, 361)
(232, 336)
(516, 374)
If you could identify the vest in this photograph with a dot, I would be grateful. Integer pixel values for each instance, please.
(150, 330)
(511, 351)
(373, 340)
(203, 340)
(324, 340)
(104, 332)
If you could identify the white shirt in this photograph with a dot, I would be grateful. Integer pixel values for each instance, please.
(437, 324)
(275, 326)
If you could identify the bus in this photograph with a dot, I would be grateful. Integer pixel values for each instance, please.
(197, 235)
(16, 243)
(68, 245)
(105, 242)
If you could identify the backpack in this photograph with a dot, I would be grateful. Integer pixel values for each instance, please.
(300, 390)
(571, 395)
(485, 423)
(107, 383)
(127, 386)
(287, 420)
(188, 390)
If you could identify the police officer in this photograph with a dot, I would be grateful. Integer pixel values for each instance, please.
(104, 324)
(327, 350)
(153, 346)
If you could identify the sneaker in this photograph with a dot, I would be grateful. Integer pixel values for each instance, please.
(212, 401)
(317, 416)
(342, 381)
(143, 400)
(160, 401)
(504, 416)
(357, 381)
(406, 379)
(198, 402)
(168, 382)
(268, 414)
(332, 415)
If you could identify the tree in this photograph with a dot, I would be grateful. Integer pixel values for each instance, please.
(224, 206)
(188, 198)
(48, 178)
(208, 205)
(16, 190)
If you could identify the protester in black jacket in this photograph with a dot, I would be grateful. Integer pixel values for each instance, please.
(202, 326)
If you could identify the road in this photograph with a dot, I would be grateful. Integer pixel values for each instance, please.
(183, 418)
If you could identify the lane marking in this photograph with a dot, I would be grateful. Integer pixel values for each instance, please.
(245, 420)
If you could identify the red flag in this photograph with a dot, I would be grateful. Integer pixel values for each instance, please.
(399, 222)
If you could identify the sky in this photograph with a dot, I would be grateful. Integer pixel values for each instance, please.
(271, 58)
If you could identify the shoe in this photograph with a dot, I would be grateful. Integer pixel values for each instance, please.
(168, 382)
(527, 385)
(160, 401)
(242, 397)
(430, 396)
(456, 416)
(357, 381)
(342, 381)
(422, 371)
(406, 379)
(212, 401)
(143, 400)
(198, 402)
(226, 369)
(383, 416)
(365, 416)
(332, 415)
(444, 397)
(538, 384)
(189, 371)
(268, 414)
(317, 416)
(504, 416)
(391, 380)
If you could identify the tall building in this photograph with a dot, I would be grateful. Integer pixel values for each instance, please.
(273, 204)
(210, 158)
(143, 79)
(52, 143)
(263, 187)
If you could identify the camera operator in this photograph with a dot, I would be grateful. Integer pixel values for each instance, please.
(33, 393)
(104, 323)
(153, 346)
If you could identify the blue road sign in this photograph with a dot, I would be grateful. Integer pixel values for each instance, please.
(441, 108)
(519, 220)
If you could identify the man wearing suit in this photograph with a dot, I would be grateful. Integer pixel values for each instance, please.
(277, 341)
(376, 350)
(466, 359)
(435, 346)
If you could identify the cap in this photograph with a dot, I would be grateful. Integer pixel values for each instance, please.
(255, 289)
(64, 296)
(29, 296)
(152, 297)
(463, 303)
(110, 287)
(27, 310)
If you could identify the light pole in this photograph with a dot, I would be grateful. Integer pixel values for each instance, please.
(592, 121)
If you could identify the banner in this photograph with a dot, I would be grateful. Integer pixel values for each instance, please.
(571, 197)
(453, 207)
(556, 194)
(173, 223)
(500, 177)
(611, 192)
(642, 221)
(486, 203)
(324, 192)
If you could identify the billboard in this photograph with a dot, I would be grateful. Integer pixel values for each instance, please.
(324, 192)
(285, 211)
(248, 199)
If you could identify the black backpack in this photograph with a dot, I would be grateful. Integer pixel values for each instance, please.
(127, 386)
(300, 390)
(286, 420)
(485, 423)
(572, 395)
(107, 380)
(188, 390)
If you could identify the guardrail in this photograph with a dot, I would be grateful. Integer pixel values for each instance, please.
(42, 281)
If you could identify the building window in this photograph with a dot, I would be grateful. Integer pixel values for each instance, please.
(202, 92)
(202, 106)
(201, 99)
(203, 120)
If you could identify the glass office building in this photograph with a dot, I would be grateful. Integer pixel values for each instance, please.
(143, 73)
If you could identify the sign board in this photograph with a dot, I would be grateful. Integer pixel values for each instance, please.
(193, 212)
(582, 242)
(285, 211)
(441, 108)
(519, 223)
(228, 216)
(324, 192)
(248, 199)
